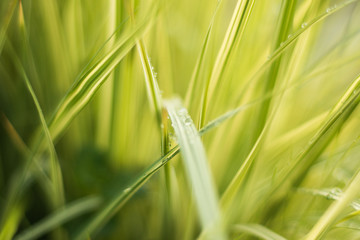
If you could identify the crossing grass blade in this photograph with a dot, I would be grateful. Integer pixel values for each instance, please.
(67, 213)
(293, 177)
(258, 231)
(333, 212)
(234, 33)
(110, 208)
(198, 172)
(290, 41)
(6, 13)
(190, 93)
(57, 190)
(86, 86)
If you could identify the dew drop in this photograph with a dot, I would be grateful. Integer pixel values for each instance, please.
(289, 36)
(188, 122)
(304, 25)
(127, 190)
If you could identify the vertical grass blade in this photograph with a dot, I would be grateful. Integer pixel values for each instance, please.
(199, 63)
(197, 168)
(234, 32)
(86, 86)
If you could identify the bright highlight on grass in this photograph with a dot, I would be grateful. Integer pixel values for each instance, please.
(179, 119)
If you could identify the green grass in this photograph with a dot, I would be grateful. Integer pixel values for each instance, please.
(179, 119)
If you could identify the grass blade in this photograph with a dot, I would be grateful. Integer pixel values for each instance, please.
(234, 32)
(197, 168)
(329, 217)
(61, 216)
(84, 89)
(258, 231)
(56, 175)
(113, 206)
(199, 63)
(6, 13)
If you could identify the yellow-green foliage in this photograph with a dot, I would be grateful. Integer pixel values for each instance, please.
(154, 119)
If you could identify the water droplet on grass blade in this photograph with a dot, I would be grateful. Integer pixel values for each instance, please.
(188, 121)
(304, 25)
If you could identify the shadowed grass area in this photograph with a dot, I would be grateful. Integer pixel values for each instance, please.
(179, 119)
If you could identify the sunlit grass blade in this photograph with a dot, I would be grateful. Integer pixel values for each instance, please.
(334, 121)
(197, 168)
(234, 33)
(258, 231)
(284, 26)
(113, 206)
(332, 213)
(330, 194)
(151, 82)
(9, 228)
(59, 217)
(86, 86)
(291, 40)
(200, 61)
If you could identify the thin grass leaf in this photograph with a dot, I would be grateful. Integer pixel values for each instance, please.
(200, 61)
(6, 13)
(56, 175)
(303, 162)
(330, 194)
(84, 89)
(151, 82)
(57, 191)
(234, 33)
(9, 228)
(333, 212)
(258, 231)
(59, 217)
(197, 168)
(291, 40)
(114, 205)
(284, 26)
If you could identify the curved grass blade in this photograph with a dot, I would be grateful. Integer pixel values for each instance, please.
(111, 207)
(86, 86)
(56, 175)
(335, 209)
(338, 115)
(258, 231)
(197, 168)
(199, 63)
(291, 40)
(61, 216)
(234, 33)
(303, 162)
(56, 191)
(6, 12)
(331, 194)
(117, 202)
